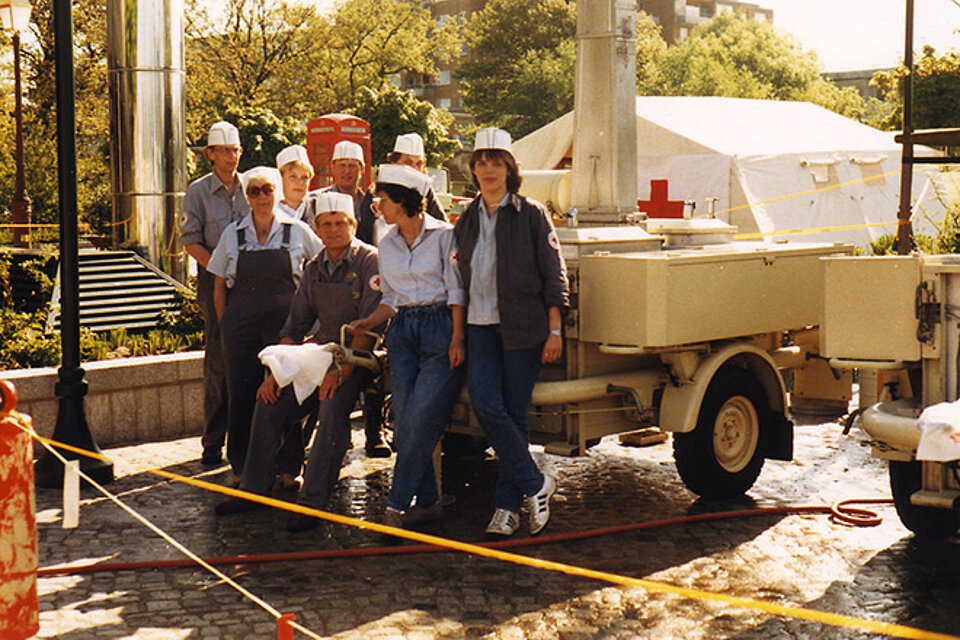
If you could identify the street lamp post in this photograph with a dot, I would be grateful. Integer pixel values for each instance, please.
(15, 16)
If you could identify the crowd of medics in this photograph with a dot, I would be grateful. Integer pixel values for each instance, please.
(278, 264)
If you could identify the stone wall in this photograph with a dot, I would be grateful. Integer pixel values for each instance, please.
(130, 400)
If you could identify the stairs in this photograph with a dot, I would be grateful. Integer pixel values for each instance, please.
(118, 289)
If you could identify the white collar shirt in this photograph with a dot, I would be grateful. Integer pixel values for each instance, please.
(425, 273)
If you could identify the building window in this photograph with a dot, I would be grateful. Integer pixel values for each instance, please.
(443, 103)
(684, 32)
(442, 79)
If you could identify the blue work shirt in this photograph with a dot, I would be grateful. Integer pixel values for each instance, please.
(208, 208)
(426, 273)
(304, 245)
(484, 308)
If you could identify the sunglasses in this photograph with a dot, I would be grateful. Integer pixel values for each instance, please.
(256, 190)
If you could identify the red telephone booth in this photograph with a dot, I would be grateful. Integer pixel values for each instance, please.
(324, 133)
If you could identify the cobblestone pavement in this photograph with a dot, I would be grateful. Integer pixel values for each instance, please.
(877, 573)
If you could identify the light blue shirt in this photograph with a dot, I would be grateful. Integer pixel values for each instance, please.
(484, 308)
(426, 273)
(304, 245)
(297, 214)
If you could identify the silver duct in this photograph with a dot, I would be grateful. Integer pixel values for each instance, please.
(145, 65)
(605, 128)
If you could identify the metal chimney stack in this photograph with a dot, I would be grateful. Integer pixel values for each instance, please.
(145, 64)
(605, 128)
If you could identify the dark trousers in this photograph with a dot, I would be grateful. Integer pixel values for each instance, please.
(214, 368)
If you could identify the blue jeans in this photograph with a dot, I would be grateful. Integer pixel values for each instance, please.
(424, 390)
(501, 384)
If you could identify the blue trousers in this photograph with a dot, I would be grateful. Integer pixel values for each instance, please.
(501, 384)
(424, 390)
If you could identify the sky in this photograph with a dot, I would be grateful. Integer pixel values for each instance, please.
(858, 34)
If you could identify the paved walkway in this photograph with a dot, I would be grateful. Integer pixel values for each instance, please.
(877, 573)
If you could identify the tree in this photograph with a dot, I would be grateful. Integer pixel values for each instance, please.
(737, 57)
(650, 49)
(520, 72)
(936, 92)
(392, 112)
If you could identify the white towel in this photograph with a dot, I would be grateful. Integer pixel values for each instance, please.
(940, 432)
(303, 364)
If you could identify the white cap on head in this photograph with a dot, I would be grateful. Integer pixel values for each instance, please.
(404, 176)
(293, 153)
(223, 134)
(493, 138)
(410, 144)
(346, 150)
(332, 201)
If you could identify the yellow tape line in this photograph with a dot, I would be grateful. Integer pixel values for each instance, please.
(752, 236)
(800, 613)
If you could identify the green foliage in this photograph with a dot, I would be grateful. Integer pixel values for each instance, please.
(262, 134)
(520, 72)
(392, 112)
(936, 93)
(946, 240)
(734, 56)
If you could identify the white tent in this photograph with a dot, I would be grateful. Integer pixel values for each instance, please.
(772, 166)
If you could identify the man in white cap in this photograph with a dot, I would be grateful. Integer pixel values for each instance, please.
(212, 202)
(340, 285)
(407, 150)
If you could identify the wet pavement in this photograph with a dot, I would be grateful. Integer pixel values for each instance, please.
(879, 573)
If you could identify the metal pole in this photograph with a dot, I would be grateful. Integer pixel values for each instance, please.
(20, 205)
(71, 425)
(904, 227)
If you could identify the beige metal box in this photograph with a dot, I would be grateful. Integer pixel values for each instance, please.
(667, 298)
(869, 310)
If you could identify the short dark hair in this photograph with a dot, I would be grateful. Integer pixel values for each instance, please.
(514, 180)
(409, 199)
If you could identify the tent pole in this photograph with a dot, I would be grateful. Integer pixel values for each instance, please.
(904, 227)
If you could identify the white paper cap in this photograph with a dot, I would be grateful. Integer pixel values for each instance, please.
(223, 134)
(493, 138)
(410, 144)
(294, 153)
(404, 176)
(346, 150)
(332, 201)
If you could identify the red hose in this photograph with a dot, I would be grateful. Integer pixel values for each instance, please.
(840, 512)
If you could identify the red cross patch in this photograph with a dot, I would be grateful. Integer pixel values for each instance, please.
(374, 282)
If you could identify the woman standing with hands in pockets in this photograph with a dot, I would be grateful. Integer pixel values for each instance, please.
(511, 266)
(424, 295)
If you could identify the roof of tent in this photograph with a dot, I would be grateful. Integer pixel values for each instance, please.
(727, 126)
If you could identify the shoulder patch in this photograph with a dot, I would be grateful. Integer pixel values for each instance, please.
(455, 257)
(553, 239)
(183, 219)
(374, 282)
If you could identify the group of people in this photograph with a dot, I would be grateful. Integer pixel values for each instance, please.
(281, 265)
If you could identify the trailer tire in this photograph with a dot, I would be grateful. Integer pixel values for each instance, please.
(928, 523)
(722, 456)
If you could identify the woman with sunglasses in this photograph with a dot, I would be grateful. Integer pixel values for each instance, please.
(257, 264)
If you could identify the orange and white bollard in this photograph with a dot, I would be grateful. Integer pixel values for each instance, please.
(19, 610)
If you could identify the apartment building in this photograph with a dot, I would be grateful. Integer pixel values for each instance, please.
(677, 17)
(442, 90)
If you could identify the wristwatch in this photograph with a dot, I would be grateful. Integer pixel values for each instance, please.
(555, 332)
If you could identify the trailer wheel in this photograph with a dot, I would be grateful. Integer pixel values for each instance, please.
(722, 456)
(925, 522)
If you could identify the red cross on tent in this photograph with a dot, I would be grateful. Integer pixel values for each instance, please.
(659, 205)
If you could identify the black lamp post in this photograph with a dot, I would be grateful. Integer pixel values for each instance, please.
(71, 425)
(15, 16)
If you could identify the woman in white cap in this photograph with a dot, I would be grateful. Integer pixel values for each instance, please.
(424, 295)
(511, 266)
(407, 150)
(257, 263)
(296, 172)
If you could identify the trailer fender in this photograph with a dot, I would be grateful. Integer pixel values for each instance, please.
(680, 405)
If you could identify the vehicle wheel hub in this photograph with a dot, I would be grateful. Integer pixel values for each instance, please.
(736, 432)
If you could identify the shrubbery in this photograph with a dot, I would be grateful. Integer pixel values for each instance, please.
(25, 342)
